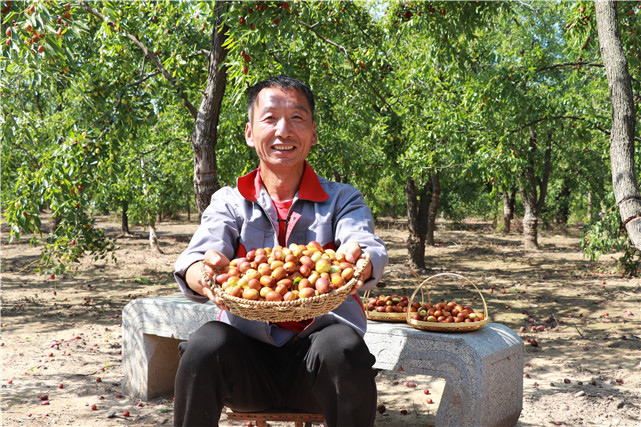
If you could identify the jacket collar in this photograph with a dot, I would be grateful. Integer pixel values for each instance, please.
(310, 186)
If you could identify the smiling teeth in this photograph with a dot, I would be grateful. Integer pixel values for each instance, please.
(284, 147)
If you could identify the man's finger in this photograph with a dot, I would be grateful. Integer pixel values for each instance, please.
(352, 251)
(215, 299)
(216, 259)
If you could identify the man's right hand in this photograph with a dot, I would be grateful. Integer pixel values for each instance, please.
(213, 261)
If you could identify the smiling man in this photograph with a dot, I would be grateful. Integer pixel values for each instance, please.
(317, 365)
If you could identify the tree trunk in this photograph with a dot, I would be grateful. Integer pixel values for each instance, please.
(530, 226)
(563, 205)
(188, 205)
(153, 237)
(509, 205)
(432, 211)
(205, 134)
(531, 186)
(417, 206)
(124, 218)
(495, 214)
(55, 222)
(624, 181)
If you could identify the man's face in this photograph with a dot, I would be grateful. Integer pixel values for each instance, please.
(281, 129)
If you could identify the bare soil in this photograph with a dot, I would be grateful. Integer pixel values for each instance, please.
(61, 337)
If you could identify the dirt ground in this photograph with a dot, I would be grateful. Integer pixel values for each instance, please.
(61, 337)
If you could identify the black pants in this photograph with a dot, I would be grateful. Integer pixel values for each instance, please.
(330, 372)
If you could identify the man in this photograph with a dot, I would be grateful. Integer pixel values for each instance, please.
(319, 365)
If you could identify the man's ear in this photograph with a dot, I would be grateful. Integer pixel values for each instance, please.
(248, 135)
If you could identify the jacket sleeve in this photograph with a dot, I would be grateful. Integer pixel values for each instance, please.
(353, 222)
(218, 230)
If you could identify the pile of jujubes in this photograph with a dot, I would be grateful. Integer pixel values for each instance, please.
(286, 273)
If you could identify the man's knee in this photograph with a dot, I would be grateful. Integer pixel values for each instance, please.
(342, 347)
(209, 341)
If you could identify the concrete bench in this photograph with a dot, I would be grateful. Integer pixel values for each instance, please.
(483, 369)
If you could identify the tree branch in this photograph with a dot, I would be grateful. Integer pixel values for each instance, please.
(349, 58)
(570, 64)
(147, 77)
(542, 119)
(149, 54)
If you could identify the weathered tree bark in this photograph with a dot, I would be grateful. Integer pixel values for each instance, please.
(55, 222)
(124, 218)
(188, 207)
(205, 134)
(495, 214)
(153, 237)
(509, 206)
(432, 211)
(151, 221)
(417, 213)
(562, 203)
(624, 180)
(533, 192)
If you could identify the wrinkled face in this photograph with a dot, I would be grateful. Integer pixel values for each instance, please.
(281, 129)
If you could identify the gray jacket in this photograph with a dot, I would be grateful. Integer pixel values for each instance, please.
(244, 218)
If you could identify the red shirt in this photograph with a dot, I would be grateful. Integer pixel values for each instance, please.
(283, 210)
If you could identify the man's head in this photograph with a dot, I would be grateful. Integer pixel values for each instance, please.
(281, 124)
(283, 82)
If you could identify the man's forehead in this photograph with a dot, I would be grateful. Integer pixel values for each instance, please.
(273, 97)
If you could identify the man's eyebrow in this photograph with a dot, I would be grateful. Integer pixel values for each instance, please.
(298, 107)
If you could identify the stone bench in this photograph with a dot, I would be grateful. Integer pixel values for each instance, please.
(483, 369)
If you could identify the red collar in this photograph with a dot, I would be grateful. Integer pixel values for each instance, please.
(310, 187)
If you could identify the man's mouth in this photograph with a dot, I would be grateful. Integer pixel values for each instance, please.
(283, 147)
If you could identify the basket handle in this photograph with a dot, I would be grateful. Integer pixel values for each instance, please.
(367, 292)
(465, 279)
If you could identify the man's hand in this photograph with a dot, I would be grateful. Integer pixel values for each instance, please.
(353, 251)
(213, 262)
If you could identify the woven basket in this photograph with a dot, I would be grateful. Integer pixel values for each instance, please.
(290, 311)
(447, 327)
(390, 317)
(385, 317)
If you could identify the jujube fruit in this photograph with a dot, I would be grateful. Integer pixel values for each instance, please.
(290, 273)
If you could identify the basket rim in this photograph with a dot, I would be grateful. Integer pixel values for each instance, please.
(448, 327)
(435, 326)
(378, 316)
(340, 294)
(375, 315)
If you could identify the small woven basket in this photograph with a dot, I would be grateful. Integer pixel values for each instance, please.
(388, 317)
(290, 311)
(447, 327)
(385, 317)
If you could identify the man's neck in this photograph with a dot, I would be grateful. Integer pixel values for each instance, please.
(281, 185)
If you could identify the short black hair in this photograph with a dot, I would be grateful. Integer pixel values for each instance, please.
(283, 82)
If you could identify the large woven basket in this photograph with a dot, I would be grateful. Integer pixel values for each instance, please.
(447, 327)
(290, 311)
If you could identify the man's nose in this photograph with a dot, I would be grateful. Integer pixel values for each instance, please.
(283, 127)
